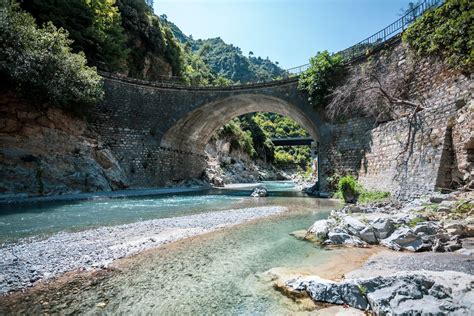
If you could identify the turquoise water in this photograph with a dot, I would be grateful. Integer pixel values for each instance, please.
(221, 273)
(42, 219)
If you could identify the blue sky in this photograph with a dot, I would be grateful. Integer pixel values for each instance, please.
(287, 31)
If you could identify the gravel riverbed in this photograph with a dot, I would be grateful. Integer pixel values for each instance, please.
(29, 261)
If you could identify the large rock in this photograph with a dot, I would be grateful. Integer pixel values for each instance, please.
(383, 227)
(352, 224)
(321, 228)
(368, 235)
(342, 238)
(259, 192)
(404, 293)
(321, 290)
(405, 239)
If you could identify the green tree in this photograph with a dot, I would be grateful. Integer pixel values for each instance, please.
(40, 62)
(325, 72)
(95, 27)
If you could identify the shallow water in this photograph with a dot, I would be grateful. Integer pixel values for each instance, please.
(42, 219)
(218, 273)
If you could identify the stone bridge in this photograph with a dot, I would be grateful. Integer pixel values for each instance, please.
(158, 132)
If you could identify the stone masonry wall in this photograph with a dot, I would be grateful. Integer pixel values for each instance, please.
(383, 156)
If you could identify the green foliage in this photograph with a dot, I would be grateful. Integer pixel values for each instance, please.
(326, 71)
(366, 196)
(362, 289)
(261, 141)
(238, 137)
(226, 60)
(39, 61)
(283, 158)
(153, 46)
(348, 185)
(95, 26)
(278, 126)
(462, 209)
(349, 188)
(447, 31)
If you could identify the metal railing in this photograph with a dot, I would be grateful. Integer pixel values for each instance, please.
(357, 51)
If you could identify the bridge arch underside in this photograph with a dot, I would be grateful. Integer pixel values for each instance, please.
(192, 132)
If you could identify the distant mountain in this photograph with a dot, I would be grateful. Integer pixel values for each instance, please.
(228, 60)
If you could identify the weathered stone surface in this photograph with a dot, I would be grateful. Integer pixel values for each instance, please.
(321, 290)
(404, 238)
(383, 227)
(320, 228)
(342, 238)
(368, 235)
(403, 293)
(52, 153)
(259, 192)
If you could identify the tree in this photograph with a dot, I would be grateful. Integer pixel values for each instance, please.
(94, 26)
(41, 64)
(325, 72)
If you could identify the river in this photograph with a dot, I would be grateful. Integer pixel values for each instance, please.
(216, 273)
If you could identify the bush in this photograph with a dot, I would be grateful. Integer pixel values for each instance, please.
(325, 72)
(238, 138)
(39, 61)
(95, 26)
(351, 191)
(282, 158)
(447, 31)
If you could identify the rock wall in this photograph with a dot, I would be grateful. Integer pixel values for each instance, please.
(411, 159)
(232, 165)
(51, 152)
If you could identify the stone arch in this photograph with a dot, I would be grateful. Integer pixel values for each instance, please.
(192, 132)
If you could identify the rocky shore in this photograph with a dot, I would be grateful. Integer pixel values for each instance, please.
(25, 263)
(428, 266)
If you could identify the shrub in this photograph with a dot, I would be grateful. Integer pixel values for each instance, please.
(447, 31)
(326, 71)
(349, 189)
(282, 158)
(39, 61)
(238, 138)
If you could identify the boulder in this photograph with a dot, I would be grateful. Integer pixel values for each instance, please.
(352, 224)
(321, 290)
(462, 229)
(368, 235)
(405, 239)
(320, 228)
(403, 293)
(259, 192)
(427, 228)
(383, 227)
(341, 238)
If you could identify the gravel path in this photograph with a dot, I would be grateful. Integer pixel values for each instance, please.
(26, 262)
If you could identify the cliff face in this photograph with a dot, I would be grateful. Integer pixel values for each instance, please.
(232, 165)
(45, 152)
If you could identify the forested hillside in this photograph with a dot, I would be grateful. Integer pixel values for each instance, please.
(227, 60)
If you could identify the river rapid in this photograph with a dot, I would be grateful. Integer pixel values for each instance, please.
(221, 272)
